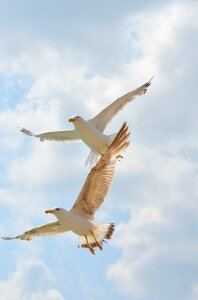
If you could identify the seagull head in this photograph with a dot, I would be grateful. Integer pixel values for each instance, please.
(74, 119)
(57, 211)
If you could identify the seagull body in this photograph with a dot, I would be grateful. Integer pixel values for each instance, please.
(91, 131)
(71, 221)
(79, 219)
(91, 135)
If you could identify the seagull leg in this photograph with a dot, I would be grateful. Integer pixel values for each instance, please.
(97, 243)
(89, 247)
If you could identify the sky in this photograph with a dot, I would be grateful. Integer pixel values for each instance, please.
(63, 58)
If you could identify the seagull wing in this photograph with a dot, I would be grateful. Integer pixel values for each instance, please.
(100, 177)
(49, 229)
(107, 114)
(65, 135)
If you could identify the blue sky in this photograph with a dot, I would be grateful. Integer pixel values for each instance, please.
(62, 58)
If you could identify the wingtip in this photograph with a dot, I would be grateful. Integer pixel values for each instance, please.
(6, 238)
(148, 83)
(121, 142)
(25, 131)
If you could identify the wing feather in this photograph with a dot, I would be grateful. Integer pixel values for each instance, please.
(107, 114)
(100, 177)
(49, 229)
(65, 135)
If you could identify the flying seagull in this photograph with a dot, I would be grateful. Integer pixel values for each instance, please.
(91, 131)
(79, 218)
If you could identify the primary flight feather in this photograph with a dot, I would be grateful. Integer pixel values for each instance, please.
(91, 131)
(79, 218)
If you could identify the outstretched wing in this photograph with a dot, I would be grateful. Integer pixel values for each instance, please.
(45, 230)
(61, 136)
(100, 177)
(107, 114)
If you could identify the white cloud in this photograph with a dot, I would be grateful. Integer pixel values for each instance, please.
(157, 255)
(32, 280)
(158, 244)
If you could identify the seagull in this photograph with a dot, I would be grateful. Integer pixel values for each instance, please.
(91, 131)
(79, 219)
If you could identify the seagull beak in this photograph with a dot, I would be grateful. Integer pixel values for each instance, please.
(73, 119)
(49, 211)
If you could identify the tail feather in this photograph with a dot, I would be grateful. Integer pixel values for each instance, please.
(92, 159)
(111, 138)
(110, 231)
(102, 233)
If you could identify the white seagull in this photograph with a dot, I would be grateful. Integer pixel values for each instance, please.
(79, 218)
(91, 131)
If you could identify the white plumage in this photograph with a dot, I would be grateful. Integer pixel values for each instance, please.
(79, 218)
(91, 131)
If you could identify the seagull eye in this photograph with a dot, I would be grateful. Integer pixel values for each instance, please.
(57, 208)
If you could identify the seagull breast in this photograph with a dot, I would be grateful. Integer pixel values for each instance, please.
(79, 224)
(72, 221)
(91, 136)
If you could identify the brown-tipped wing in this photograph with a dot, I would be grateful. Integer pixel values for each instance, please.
(59, 136)
(107, 114)
(45, 230)
(100, 177)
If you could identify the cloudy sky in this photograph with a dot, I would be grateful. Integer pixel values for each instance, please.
(62, 58)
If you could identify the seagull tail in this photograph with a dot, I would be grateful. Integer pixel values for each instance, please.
(111, 138)
(92, 159)
(102, 232)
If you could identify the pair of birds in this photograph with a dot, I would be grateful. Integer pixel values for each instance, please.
(104, 149)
